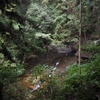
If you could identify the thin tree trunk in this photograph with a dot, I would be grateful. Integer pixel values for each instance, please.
(80, 31)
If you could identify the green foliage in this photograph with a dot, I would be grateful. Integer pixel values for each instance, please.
(91, 47)
(8, 70)
(86, 85)
(49, 90)
(26, 30)
(65, 23)
(38, 70)
(39, 14)
(17, 39)
(90, 15)
(55, 19)
(75, 86)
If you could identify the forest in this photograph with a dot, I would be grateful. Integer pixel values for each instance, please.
(49, 50)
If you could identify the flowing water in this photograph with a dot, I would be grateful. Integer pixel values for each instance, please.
(52, 59)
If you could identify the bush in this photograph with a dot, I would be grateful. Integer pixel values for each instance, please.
(85, 86)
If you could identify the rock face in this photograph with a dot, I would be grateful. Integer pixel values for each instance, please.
(84, 54)
(62, 50)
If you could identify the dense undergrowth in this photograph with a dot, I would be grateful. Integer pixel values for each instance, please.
(71, 85)
(85, 86)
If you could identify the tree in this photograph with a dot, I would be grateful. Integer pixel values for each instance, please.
(90, 16)
(80, 32)
(14, 41)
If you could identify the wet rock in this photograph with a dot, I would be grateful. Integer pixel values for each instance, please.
(67, 50)
(64, 50)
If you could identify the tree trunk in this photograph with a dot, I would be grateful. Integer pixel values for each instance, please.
(80, 31)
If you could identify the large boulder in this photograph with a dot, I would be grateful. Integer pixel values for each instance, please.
(84, 54)
(64, 50)
(59, 49)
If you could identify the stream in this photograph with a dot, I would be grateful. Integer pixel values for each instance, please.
(50, 59)
(57, 61)
(28, 84)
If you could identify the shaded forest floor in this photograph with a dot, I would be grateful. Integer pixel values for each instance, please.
(23, 87)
